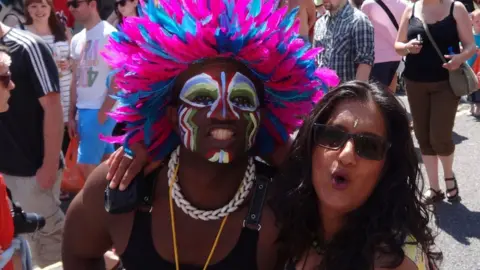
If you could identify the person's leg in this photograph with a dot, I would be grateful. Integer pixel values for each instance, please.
(420, 107)
(475, 99)
(444, 109)
(46, 243)
(90, 149)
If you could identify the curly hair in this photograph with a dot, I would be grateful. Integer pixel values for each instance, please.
(381, 225)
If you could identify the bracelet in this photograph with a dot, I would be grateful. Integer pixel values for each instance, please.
(407, 50)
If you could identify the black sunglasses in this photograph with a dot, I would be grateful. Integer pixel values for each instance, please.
(367, 146)
(5, 79)
(75, 3)
(120, 3)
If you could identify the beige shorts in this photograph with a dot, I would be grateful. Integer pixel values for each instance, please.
(46, 243)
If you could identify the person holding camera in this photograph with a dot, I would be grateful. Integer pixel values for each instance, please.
(31, 133)
(6, 221)
(13, 221)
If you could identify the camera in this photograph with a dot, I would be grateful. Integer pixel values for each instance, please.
(24, 222)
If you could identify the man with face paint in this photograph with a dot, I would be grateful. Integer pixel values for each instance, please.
(207, 113)
(219, 113)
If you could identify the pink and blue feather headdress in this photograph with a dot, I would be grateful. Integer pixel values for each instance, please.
(149, 52)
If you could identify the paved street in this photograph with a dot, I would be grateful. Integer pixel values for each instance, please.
(458, 225)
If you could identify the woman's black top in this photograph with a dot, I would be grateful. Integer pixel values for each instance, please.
(426, 66)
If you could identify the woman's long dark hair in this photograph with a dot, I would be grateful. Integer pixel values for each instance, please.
(56, 26)
(380, 226)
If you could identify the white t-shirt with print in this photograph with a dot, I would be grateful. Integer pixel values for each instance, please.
(92, 70)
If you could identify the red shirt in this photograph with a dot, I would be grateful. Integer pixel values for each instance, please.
(6, 221)
(61, 7)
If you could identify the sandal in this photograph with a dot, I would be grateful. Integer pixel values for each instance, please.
(456, 197)
(438, 195)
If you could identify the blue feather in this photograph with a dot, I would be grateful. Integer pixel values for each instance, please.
(289, 19)
(255, 7)
(278, 125)
(168, 146)
(188, 24)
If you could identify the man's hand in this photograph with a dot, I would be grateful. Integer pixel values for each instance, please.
(64, 65)
(123, 169)
(72, 128)
(102, 117)
(47, 175)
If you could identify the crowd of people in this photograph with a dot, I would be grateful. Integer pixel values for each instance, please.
(294, 151)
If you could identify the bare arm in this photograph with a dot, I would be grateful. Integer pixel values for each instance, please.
(73, 92)
(464, 29)
(407, 264)
(86, 237)
(109, 102)
(401, 41)
(52, 129)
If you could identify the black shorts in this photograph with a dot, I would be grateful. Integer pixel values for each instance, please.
(384, 72)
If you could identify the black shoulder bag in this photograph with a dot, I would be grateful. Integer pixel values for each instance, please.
(389, 13)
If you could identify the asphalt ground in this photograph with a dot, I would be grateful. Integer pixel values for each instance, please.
(458, 225)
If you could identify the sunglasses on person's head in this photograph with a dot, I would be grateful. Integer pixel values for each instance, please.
(5, 79)
(368, 146)
(318, 3)
(120, 3)
(75, 3)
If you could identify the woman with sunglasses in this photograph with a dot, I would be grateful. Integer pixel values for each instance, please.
(125, 8)
(349, 194)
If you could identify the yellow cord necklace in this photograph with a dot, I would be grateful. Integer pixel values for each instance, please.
(174, 234)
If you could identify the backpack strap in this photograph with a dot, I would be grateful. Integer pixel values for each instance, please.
(140, 193)
(260, 191)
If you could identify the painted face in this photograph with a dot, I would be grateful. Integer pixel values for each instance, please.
(219, 116)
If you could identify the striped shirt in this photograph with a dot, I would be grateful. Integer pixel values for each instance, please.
(35, 75)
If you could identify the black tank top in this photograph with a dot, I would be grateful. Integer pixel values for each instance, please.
(426, 66)
(140, 253)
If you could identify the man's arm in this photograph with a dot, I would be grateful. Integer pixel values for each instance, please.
(73, 92)
(86, 237)
(363, 38)
(109, 102)
(45, 84)
(52, 129)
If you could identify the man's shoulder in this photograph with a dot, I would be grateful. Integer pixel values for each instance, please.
(360, 18)
(108, 27)
(24, 38)
(24, 41)
(79, 35)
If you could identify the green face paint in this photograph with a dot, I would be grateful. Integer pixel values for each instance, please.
(253, 119)
(188, 130)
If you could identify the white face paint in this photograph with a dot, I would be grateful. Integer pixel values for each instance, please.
(227, 96)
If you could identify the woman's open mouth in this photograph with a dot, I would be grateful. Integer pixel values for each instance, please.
(339, 180)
